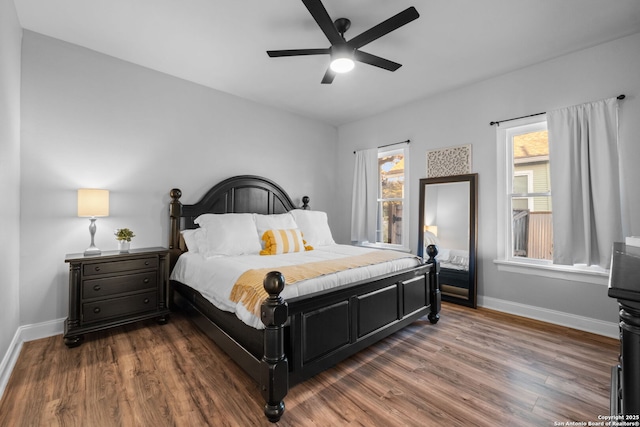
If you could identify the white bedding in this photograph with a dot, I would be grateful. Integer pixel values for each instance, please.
(214, 277)
(453, 259)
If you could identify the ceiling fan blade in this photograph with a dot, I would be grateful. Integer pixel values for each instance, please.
(329, 76)
(376, 61)
(320, 14)
(384, 27)
(298, 52)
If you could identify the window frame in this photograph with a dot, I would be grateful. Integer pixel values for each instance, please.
(505, 260)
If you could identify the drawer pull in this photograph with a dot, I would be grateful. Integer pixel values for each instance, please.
(146, 263)
(146, 300)
(146, 280)
(96, 310)
(97, 288)
(97, 268)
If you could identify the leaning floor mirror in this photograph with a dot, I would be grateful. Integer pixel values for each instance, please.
(448, 219)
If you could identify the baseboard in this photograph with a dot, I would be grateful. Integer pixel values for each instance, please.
(41, 330)
(600, 327)
(22, 335)
(9, 361)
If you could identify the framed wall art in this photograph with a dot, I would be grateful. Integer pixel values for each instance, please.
(449, 161)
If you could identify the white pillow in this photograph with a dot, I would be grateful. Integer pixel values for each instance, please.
(195, 239)
(229, 234)
(459, 257)
(283, 221)
(314, 226)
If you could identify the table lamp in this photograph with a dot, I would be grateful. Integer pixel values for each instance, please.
(93, 203)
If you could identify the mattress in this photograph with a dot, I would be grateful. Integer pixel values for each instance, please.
(214, 277)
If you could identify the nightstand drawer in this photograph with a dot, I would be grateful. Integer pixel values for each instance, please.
(117, 307)
(95, 288)
(119, 266)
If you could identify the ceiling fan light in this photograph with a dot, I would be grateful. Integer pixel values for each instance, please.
(342, 65)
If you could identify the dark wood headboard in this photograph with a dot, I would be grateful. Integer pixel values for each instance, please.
(238, 194)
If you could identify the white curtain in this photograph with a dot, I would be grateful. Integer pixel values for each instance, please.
(585, 182)
(364, 203)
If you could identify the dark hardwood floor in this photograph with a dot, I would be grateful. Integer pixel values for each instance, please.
(474, 368)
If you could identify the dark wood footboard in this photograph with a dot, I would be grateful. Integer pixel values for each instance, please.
(335, 324)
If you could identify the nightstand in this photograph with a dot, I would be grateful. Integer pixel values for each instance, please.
(113, 289)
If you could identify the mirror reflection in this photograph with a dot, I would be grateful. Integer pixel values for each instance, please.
(448, 220)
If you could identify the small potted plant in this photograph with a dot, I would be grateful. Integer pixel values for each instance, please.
(124, 236)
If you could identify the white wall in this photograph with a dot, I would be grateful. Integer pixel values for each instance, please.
(90, 120)
(462, 117)
(10, 41)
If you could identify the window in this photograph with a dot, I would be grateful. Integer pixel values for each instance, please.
(392, 218)
(526, 202)
(526, 192)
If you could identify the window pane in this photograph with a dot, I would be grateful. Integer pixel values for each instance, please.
(521, 184)
(521, 203)
(531, 159)
(390, 223)
(532, 230)
(391, 176)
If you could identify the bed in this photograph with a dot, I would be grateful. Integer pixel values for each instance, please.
(303, 334)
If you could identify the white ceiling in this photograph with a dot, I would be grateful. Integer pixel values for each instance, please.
(222, 44)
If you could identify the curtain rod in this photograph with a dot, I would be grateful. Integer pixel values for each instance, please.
(408, 141)
(532, 115)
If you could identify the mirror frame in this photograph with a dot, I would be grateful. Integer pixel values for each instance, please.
(472, 179)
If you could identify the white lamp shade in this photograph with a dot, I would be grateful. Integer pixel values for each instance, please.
(93, 202)
(432, 229)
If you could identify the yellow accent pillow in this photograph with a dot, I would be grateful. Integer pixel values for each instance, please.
(283, 241)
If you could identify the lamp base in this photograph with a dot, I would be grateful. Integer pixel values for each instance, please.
(92, 250)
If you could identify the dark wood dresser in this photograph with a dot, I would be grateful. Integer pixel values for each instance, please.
(624, 285)
(115, 288)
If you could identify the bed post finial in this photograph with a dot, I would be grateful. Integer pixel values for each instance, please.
(305, 203)
(175, 193)
(274, 367)
(432, 251)
(434, 314)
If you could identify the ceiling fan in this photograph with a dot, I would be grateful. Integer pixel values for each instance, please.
(344, 52)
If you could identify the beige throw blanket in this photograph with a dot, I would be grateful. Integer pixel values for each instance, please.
(249, 291)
